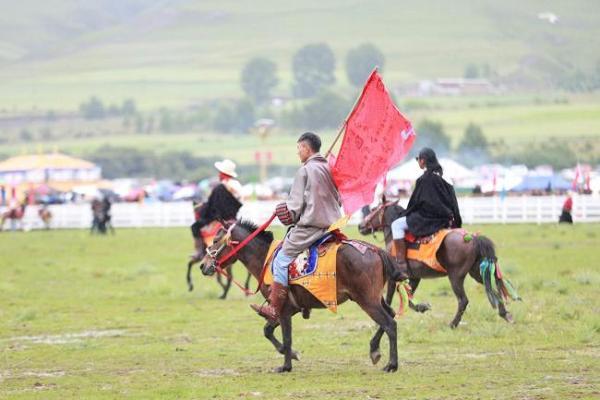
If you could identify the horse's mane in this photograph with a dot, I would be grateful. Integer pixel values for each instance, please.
(393, 211)
(265, 236)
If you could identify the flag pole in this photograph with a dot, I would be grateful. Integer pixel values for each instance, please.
(343, 128)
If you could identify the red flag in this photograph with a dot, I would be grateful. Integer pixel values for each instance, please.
(377, 137)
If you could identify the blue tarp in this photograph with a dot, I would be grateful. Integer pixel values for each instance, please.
(550, 182)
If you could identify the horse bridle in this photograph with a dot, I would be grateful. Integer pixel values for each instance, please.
(215, 250)
(368, 221)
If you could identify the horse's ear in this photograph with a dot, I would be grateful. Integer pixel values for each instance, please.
(383, 198)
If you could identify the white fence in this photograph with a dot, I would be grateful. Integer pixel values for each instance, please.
(474, 210)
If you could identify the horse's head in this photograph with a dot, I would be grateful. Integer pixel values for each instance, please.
(224, 242)
(373, 221)
(380, 217)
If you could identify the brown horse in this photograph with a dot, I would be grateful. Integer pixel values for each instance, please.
(15, 214)
(201, 252)
(359, 277)
(46, 216)
(457, 256)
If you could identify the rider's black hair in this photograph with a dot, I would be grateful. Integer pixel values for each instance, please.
(313, 140)
(431, 162)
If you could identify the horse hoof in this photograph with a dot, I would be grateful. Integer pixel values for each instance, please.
(423, 307)
(280, 370)
(508, 318)
(375, 356)
(390, 368)
(295, 356)
(453, 325)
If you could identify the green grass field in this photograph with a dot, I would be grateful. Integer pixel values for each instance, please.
(110, 317)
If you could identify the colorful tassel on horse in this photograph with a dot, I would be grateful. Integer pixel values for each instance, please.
(505, 286)
(405, 294)
(485, 269)
(497, 289)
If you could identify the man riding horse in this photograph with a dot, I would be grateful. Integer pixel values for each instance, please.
(312, 207)
(432, 206)
(223, 203)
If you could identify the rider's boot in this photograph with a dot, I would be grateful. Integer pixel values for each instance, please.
(400, 271)
(199, 246)
(277, 298)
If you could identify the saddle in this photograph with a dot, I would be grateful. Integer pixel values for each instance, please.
(306, 262)
(414, 242)
(424, 249)
(315, 269)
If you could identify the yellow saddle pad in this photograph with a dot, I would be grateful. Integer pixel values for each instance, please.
(321, 283)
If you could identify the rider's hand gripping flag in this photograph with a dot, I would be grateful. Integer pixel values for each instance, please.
(377, 137)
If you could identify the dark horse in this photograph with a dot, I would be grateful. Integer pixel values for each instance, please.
(457, 256)
(359, 277)
(197, 257)
(14, 214)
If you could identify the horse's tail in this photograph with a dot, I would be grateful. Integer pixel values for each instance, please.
(497, 288)
(388, 263)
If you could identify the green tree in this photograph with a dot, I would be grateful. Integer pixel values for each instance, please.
(25, 135)
(474, 147)
(224, 120)
(139, 123)
(474, 139)
(361, 60)
(313, 67)
(129, 107)
(166, 123)
(258, 78)
(244, 113)
(92, 109)
(327, 110)
(432, 134)
(471, 71)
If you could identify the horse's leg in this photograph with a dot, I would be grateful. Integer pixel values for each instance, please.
(247, 284)
(375, 354)
(381, 316)
(502, 311)
(226, 285)
(457, 282)
(268, 330)
(286, 330)
(189, 275)
(419, 307)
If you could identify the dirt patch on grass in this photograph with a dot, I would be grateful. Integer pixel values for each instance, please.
(29, 374)
(67, 338)
(216, 373)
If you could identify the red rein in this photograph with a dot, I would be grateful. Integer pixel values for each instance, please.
(236, 249)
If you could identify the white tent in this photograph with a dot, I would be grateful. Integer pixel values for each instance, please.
(453, 171)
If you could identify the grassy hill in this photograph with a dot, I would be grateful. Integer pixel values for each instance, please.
(573, 121)
(54, 54)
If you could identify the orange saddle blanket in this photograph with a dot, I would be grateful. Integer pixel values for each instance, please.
(321, 283)
(425, 249)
